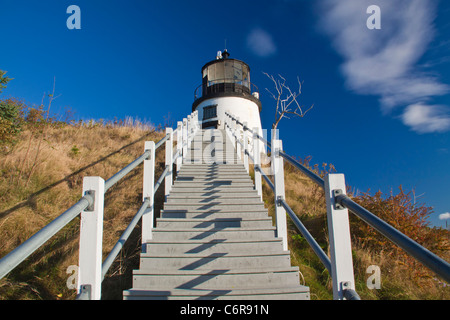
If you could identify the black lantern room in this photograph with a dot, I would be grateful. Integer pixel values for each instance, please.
(225, 77)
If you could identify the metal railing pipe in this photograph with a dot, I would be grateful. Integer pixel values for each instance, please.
(123, 238)
(429, 259)
(249, 155)
(176, 156)
(122, 173)
(308, 237)
(125, 235)
(160, 142)
(269, 182)
(267, 143)
(242, 124)
(247, 129)
(313, 176)
(161, 178)
(23, 251)
(350, 294)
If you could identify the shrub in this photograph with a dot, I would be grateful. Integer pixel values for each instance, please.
(3, 80)
(74, 151)
(11, 119)
(403, 213)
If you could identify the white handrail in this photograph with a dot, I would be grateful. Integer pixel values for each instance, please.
(339, 233)
(90, 206)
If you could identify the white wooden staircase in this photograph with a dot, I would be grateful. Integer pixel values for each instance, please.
(214, 239)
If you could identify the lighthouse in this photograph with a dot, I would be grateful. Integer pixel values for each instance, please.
(226, 87)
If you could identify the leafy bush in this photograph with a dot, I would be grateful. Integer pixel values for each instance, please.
(3, 80)
(11, 119)
(409, 217)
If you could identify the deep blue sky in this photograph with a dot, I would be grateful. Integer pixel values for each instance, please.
(381, 99)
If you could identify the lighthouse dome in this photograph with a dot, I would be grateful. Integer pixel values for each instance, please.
(226, 87)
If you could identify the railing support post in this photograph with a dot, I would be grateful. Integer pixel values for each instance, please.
(228, 130)
(192, 123)
(339, 237)
(169, 162)
(189, 130)
(179, 160)
(274, 136)
(233, 132)
(245, 138)
(257, 162)
(238, 139)
(91, 238)
(278, 174)
(197, 125)
(148, 193)
(185, 139)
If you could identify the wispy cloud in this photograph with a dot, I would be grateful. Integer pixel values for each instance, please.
(385, 62)
(260, 42)
(426, 118)
(444, 216)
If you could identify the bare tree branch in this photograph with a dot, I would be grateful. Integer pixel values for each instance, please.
(286, 101)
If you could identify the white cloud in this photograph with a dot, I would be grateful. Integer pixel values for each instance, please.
(261, 43)
(426, 118)
(444, 216)
(385, 62)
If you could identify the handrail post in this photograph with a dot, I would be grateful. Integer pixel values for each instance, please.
(185, 147)
(193, 124)
(238, 139)
(169, 162)
(233, 130)
(91, 237)
(228, 125)
(274, 136)
(225, 125)
(257, 162)
(179, 160)
(233, 134)
(196, 118)
(245, 138)
(189, 130)
(230, 128)
(226, 120)
(197, 125)
(278, 175)
(188, 127)
(339, 237)
(148, 193)
(196, 150)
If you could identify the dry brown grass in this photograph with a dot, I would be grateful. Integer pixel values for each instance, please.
(70, 152)
(30, 201)
(398, 280)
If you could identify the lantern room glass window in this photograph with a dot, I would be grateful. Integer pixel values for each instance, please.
(226, 71)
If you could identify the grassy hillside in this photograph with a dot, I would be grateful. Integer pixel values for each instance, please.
(41, 177)
(42, 165)
(401, 276)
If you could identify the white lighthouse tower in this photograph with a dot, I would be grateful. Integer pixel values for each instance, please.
(226, 87)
